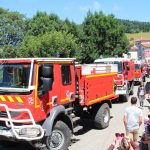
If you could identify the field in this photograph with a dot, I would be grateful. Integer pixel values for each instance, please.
(138, 35)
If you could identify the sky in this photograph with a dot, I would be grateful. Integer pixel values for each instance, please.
(76, 10)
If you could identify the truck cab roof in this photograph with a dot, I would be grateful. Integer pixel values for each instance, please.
(38, 59)
(111, 59)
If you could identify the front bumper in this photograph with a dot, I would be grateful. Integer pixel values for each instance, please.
(121, 90)
(15, 129)
(6, 132)
(138, 79)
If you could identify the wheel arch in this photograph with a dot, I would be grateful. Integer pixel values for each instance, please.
(107, 102)
(57, 113)
(98, 105)
(66, 119)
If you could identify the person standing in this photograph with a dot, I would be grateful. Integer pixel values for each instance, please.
(141, 94)
(132, 120)
(147, 89)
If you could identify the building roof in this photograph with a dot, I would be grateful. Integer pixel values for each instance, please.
(146, 45)
(142, 39)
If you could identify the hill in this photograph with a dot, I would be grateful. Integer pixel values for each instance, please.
(134, 26)
(133, 36)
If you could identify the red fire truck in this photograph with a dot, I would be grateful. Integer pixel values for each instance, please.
(138, 72)
(42, 99)
(125, 77)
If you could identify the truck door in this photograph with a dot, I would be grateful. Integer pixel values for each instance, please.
(67, 84)
(48, 89)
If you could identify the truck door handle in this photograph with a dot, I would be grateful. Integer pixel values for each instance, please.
(54, 100)
(71, 96)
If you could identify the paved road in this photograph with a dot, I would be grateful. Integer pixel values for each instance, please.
(93, 139)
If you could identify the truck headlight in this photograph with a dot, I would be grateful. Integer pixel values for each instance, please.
(29, 132)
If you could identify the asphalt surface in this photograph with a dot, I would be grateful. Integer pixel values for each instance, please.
(90, 138)
(93, 139)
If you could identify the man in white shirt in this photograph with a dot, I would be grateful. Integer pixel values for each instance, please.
(133, 120)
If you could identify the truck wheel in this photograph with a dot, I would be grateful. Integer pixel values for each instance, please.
(60, 138)
(102, 117)
(124, 98)
(131, 92)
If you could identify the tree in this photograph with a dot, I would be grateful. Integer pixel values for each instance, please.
(48, 45)
(70, 27)
(103, 34)
(11, 31)
(42, 23)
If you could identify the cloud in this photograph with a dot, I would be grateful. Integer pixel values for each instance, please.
(116, 7)
(96, 5)
(84, 8)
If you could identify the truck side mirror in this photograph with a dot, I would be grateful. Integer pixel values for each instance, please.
(128, 67)
(126, 73)
(47, 79)
(47, 71)
(47, 84)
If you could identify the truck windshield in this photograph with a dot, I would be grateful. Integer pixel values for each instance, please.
(136, 67)
(119, 66)
(14, 75)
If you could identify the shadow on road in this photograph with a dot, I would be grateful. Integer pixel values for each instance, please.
(16, 146)
(118, 102)
(148, 99)
(87, 126)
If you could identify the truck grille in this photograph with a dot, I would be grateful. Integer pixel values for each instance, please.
(3, 114)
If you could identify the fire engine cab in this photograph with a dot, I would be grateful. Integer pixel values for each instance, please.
(125, 77)
(42, 99)
(138, 72)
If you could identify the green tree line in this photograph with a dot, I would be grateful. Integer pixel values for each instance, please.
(134, 26)
(46, 35)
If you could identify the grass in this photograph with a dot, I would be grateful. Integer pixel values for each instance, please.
(134, 36)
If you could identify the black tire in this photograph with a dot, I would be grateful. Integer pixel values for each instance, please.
(60, 138)
(124, 98)
(131, 92)
(102, 117)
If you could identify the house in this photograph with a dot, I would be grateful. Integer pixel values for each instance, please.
(143, 49)
(132, 53)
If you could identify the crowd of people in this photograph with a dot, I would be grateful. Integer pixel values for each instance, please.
(133, 119)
